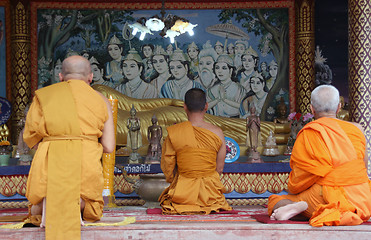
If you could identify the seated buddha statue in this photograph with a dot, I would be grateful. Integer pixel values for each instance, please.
(343, 114)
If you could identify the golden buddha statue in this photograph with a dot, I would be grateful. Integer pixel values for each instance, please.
(281, 112)
(343, 114)
(170, 111)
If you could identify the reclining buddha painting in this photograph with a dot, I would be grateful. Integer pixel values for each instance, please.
(240, 55)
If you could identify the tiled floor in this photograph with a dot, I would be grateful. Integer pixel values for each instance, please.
(198, 227)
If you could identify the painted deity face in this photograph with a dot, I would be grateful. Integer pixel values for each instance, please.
(230, 49)
(222, 71)
(147, 51)
(57, 70)
(131, 69)
(263, 66)
(170, 49)
(85, 55)
(273, 71)
(240, 48)
(160, 64)
(177, 69)
(248, 62)
(192, 53)
(97, 73)
(256, 85)
(219, 49)
(206, 63)
(115, 52)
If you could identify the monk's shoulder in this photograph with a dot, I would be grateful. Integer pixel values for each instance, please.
(215, 129)
(350, 126)
(358, 126)
(102, 96)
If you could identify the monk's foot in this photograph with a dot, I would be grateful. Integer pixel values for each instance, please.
(42, 224)
(288, 211)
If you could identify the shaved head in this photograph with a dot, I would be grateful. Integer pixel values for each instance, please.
(76, 67)
(325, 98)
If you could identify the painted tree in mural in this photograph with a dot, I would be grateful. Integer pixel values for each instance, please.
(273, 26)
(56, 27)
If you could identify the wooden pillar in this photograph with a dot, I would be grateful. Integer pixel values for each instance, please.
(304, 48)
(21, 64)
(359, 20)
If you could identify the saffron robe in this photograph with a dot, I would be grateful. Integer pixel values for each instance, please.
(328, 172)
(68, 118)
(189, 164)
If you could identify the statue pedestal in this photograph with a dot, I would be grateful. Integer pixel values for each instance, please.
(254, 157)
(271, 151)
(152, 160)
(134, 158)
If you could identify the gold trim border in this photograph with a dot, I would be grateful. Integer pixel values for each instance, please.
(140, 202)
(242, 183)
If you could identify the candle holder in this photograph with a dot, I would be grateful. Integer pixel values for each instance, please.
(109, 160)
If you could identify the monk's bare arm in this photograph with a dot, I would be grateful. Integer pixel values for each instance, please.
(220, 159)
(365, 159)
(108, 140)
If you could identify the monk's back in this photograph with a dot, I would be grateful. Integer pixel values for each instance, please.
(91, 108)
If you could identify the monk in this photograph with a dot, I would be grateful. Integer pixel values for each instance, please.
(192, 160)
(70, 125)
(328, 182)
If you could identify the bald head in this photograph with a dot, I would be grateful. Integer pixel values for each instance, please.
(76, 67)
(325, 99)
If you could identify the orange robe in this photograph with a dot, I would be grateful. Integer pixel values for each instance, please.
(67, 119)
(189, 164)
(328, 172)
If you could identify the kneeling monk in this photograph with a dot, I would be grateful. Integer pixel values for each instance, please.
(328, 182)
(192, 160)
(64, 123)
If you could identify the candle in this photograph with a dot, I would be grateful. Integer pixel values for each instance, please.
(109, 161)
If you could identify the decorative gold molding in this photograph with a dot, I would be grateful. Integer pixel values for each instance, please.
(21, 66)
(7, 205)
(359, 66)
(140, 202)
(242, 183)
(257, 183)
(304, 53)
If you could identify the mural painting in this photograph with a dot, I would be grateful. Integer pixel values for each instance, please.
(240, 57)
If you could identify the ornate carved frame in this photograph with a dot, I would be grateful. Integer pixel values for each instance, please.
(170, 5)
(7, 27)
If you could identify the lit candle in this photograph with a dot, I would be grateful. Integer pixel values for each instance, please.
(109, 161)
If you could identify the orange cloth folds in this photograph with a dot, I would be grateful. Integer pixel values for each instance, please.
(328, 173)
(64, 165)
(67, 163)
(189, 163)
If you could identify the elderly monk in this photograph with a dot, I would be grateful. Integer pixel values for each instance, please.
(192, 161)
(328, 182)
(71, 125)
